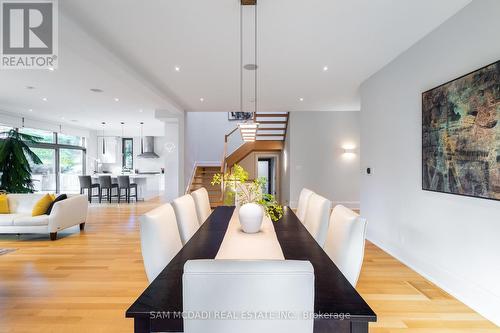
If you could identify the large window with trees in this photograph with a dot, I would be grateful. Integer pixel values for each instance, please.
(63, 160)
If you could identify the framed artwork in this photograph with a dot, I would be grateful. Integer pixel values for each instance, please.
(239, 115)
(461, 135)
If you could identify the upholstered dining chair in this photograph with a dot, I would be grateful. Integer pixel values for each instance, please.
(125, 184)
(345, 242)
(304, 197)
(252, 287)
(316, 220)
(202, 203)
(187, 220)
(160, 239)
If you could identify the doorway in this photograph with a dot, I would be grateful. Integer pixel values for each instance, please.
(266, 169)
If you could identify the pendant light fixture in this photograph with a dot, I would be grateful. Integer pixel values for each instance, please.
(122, 123)
(103, 140)
(142, 138)
(248, 129)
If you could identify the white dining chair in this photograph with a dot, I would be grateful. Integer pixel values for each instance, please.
(345, 243)
(202, 203)
(316, 221)
(246, 287)
(160, 239)
(304, 197)
(187, 220)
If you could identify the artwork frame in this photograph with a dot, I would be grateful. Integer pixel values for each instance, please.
(239, 116)
(461, 135)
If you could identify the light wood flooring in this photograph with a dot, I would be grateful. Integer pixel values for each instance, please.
(84, 282)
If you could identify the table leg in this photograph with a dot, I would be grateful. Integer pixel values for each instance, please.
(142, 325)
(359, 327)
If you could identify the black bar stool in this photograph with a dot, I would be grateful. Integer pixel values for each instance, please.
(106, 184)
(124, 184)
(86, 183)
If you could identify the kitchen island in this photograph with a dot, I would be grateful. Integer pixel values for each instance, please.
(148, 185)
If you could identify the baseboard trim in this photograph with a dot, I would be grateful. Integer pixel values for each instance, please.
(483, 301)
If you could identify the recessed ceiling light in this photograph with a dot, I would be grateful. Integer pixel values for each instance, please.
(202, 99)
(30, 87)
(117, 99)
(96, 90)
(51, 69)
(30, 110)
(140, 110)
(44, 99)
(62, 117)
(325, 68)
(301, 99)
(177, 68)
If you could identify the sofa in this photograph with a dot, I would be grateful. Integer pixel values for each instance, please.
(66, 213)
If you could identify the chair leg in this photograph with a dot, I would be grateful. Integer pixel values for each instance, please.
(109, 194)
(100, 195)
(128, 195)
(119, 194)
(53, 236)
(135, 194)
(82, 226)
(89, 190)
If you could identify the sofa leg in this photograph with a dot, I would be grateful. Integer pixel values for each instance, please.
(82, 226)
(53, 236)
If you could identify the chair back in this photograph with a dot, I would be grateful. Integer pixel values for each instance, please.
(272, 287)
(202, 203)
(123, 181)
(316, 221)
(85, 181)
(160, 239)
(105, 181)
(304, 197)
(187, 220)
(345, 243)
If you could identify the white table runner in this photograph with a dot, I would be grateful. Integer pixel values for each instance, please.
(239, 245)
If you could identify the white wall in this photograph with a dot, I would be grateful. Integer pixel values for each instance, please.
(452, 240)
(204, 138)
(316, 159)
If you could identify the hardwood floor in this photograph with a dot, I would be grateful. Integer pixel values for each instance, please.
(84, 282)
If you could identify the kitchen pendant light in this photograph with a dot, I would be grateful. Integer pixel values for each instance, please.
(103, 140)
(122, 123)
(142, 138)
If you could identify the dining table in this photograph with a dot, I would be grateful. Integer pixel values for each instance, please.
(338, 307)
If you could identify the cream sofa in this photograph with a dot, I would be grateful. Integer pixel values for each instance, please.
(64, 214)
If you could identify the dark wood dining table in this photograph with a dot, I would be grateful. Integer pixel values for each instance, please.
(337, 307)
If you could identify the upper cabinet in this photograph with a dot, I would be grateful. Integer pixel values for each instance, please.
(107, 148)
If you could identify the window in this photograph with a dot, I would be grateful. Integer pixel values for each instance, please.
(44, 175)
(127, 153)
(71, 140)
(70, 167)
(45, 136)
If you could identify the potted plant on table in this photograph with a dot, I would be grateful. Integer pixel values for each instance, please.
(248, 196)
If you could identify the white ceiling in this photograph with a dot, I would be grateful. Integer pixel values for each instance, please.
(133, 47)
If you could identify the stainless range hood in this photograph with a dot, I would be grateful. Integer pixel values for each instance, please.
(148, 147)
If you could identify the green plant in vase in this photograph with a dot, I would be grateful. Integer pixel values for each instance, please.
(14, 164)
(239, 190)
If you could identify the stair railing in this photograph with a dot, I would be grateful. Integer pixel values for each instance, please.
(223, 166)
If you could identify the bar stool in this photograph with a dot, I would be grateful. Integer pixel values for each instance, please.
(124, 184)
(106, 184)
(86, 183)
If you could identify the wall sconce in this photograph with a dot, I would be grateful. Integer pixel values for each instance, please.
(349, 151)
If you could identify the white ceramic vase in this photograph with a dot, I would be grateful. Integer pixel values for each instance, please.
(251, 215)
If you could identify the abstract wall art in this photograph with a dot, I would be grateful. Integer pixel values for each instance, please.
(461, 135)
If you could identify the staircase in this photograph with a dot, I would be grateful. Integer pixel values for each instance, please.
(270, 137)
(272, 126)
(202, 178)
